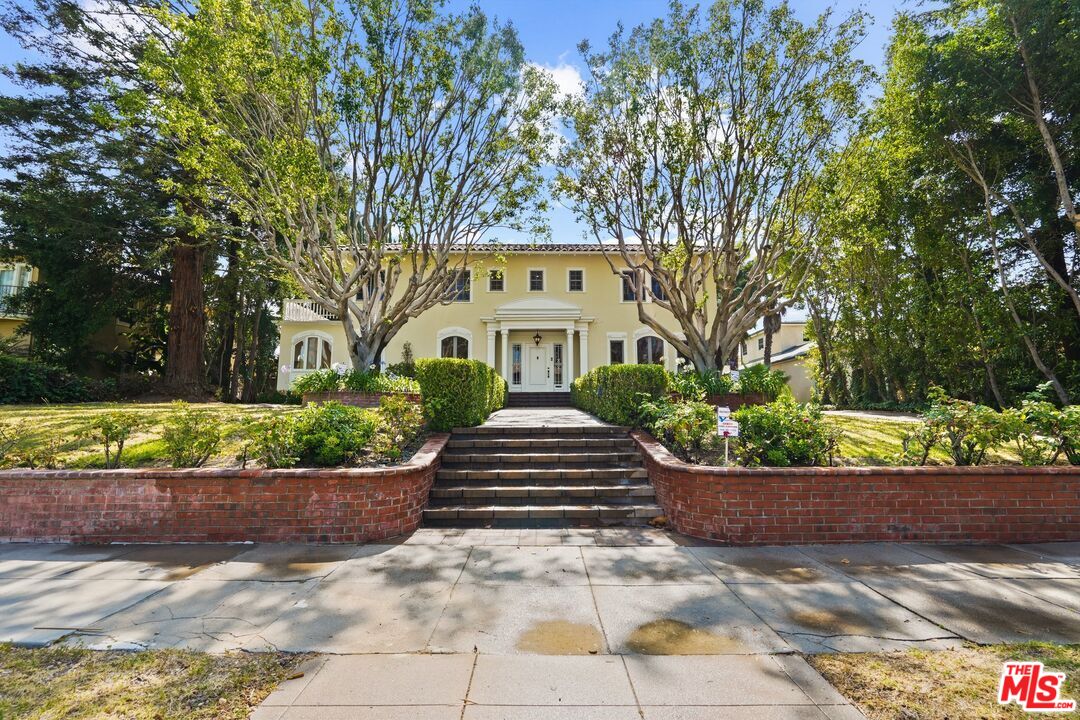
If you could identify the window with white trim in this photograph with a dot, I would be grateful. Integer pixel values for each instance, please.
(575, 280)
(312, 353)
(616, 352)
(650, 350)
(536, 281)
(463, 286)
(454, 346)
(629, 285)
(515, 364)
(496, 281)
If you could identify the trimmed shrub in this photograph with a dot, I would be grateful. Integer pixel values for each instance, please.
(784, 434)
(373, 382)
(270, 440)
(26, 381)
(614, 393)
(458, 393)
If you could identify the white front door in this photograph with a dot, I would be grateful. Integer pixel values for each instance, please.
(539, 376)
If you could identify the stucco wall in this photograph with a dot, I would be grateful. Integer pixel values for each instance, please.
(601, 301)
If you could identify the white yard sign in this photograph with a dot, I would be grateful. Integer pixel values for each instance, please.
(725, 426)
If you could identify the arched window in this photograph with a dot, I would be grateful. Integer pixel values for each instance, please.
(311, 353)
(650, 351)
(454, 346)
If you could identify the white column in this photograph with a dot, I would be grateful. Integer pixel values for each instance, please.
(584, 332)
(504, 335)
(491, 346)
(568, 361)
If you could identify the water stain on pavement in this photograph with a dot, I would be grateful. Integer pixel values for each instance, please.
(780, 568)
(560, 637)
(833, 622)
(675, 637)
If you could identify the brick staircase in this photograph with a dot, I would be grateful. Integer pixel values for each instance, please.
(541, 476)
(537, 399)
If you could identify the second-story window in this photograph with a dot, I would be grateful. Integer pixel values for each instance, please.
(761, 344)
(536, 281)
(496, 281)
(463, 286)
(629, 285)
(576, 281)
(657, 290)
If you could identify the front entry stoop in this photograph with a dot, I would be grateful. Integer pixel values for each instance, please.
(541, 475)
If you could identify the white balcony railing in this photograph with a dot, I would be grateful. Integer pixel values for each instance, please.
(307, 311)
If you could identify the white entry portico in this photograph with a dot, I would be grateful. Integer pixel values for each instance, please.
(540, 343)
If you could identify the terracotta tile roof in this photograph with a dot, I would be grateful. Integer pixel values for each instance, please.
(548, 248)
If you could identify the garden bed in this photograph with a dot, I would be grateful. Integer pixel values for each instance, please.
(780, 506)
(356, 399)
(218, 504)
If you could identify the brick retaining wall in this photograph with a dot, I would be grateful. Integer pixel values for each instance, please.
(780, 506)
(218, 505)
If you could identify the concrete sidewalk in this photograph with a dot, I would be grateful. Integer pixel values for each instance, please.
(485, 620)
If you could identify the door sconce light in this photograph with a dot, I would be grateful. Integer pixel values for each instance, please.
(537, 338)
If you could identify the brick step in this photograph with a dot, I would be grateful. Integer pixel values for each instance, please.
(555, 443)
(538, 476)
(540, 399)
(542, 431)
(540, 494)
(488, 513)
(526, 457)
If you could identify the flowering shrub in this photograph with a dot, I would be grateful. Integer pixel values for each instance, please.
(760, 379)
(784, 433)
(688, 429)
(317, 381)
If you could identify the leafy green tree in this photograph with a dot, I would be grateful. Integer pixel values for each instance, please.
(366, 141)
(697, 149)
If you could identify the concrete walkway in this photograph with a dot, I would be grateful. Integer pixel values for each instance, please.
(476, 623)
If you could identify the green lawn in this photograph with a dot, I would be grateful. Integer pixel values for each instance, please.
(67, 423)
(870, 441)
(150, 685)
(920, 685)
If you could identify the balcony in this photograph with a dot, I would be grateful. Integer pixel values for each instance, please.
(8, 294)
(307, 311)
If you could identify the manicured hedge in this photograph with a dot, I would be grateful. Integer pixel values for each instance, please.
(611, 392)
(24, 381)
(458, 393)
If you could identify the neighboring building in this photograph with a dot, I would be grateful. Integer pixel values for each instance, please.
(541, 315)
(14, 278)
(790, 347)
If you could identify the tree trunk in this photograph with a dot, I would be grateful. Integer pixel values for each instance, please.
(184, 361)
(249, 391)
(771, 326)
(228, 341)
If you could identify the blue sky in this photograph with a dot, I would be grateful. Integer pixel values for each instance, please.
(552, 29)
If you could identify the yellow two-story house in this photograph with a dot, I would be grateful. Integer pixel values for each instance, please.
(540, 314)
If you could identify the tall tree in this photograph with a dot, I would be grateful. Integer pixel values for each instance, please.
(87, 52)
(373, 143)
(697, 148)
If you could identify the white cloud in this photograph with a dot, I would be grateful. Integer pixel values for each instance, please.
(566, 77)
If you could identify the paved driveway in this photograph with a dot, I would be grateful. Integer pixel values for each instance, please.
(493, 621)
